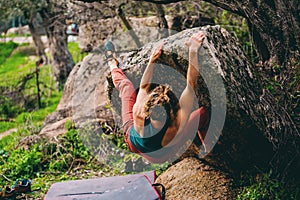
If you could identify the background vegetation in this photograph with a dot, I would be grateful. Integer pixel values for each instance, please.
(22, 154)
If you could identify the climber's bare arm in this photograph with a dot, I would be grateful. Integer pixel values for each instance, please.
(147, 76)
(144, 87)
(148, 73)
(186, 100)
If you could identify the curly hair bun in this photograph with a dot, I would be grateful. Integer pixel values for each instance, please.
(162, 104)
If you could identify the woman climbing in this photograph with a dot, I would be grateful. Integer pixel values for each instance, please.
(154, 116)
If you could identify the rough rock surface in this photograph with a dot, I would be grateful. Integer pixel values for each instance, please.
(193, 179)
(84, 96)
(94, 31)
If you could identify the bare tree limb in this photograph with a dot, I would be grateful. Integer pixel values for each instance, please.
(162, 22)
(162, 1)
(135, 38)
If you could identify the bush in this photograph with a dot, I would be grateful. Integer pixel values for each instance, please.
(265, 187)
(24, 163)
(7, 108)
(69, 151)
(44, 156)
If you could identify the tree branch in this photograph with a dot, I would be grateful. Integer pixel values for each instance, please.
(92, 1)
(219, 3)
(228, 6)
(161, 2)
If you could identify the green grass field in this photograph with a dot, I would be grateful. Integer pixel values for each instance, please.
(19, 62)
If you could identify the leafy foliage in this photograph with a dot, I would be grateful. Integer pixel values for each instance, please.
(284, 88)
(23, 163)
(266, 187)
(6, 126)
(7, 108)
(20, 8)
(37, 160)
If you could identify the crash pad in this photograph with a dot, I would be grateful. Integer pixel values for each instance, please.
(129, 187)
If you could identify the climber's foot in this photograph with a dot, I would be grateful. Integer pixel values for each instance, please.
(110, 55)
(109, 50)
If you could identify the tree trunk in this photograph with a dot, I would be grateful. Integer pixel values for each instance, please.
(36, 37)
(135, 38)
(37, 70)
(275, 25)
(163, 28)
(62, 60)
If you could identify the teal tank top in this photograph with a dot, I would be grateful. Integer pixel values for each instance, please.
(152, 137)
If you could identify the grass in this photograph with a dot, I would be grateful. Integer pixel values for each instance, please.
(15, 67)
(5, 50)
(6, 126)
(12, 35)
(13, 70)
(18, 63)
(75, 51)
(38, 116)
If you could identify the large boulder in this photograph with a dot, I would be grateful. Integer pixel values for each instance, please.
(243, 115)
(83, 95)
(194, 179)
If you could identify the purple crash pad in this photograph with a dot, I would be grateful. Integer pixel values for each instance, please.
(129, 187)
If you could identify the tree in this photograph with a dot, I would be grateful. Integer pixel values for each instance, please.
(116, 8)
(53, 14)
(274, 25)
(54, 18)
(162, 22)
(29, 11)
(36, 37)
(121, 15)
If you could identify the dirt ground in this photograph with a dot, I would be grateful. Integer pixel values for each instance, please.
(5, 133)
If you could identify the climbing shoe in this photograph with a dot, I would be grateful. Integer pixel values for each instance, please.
(110, 53)
(7, 193)
(22, 186)
(109, 49)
